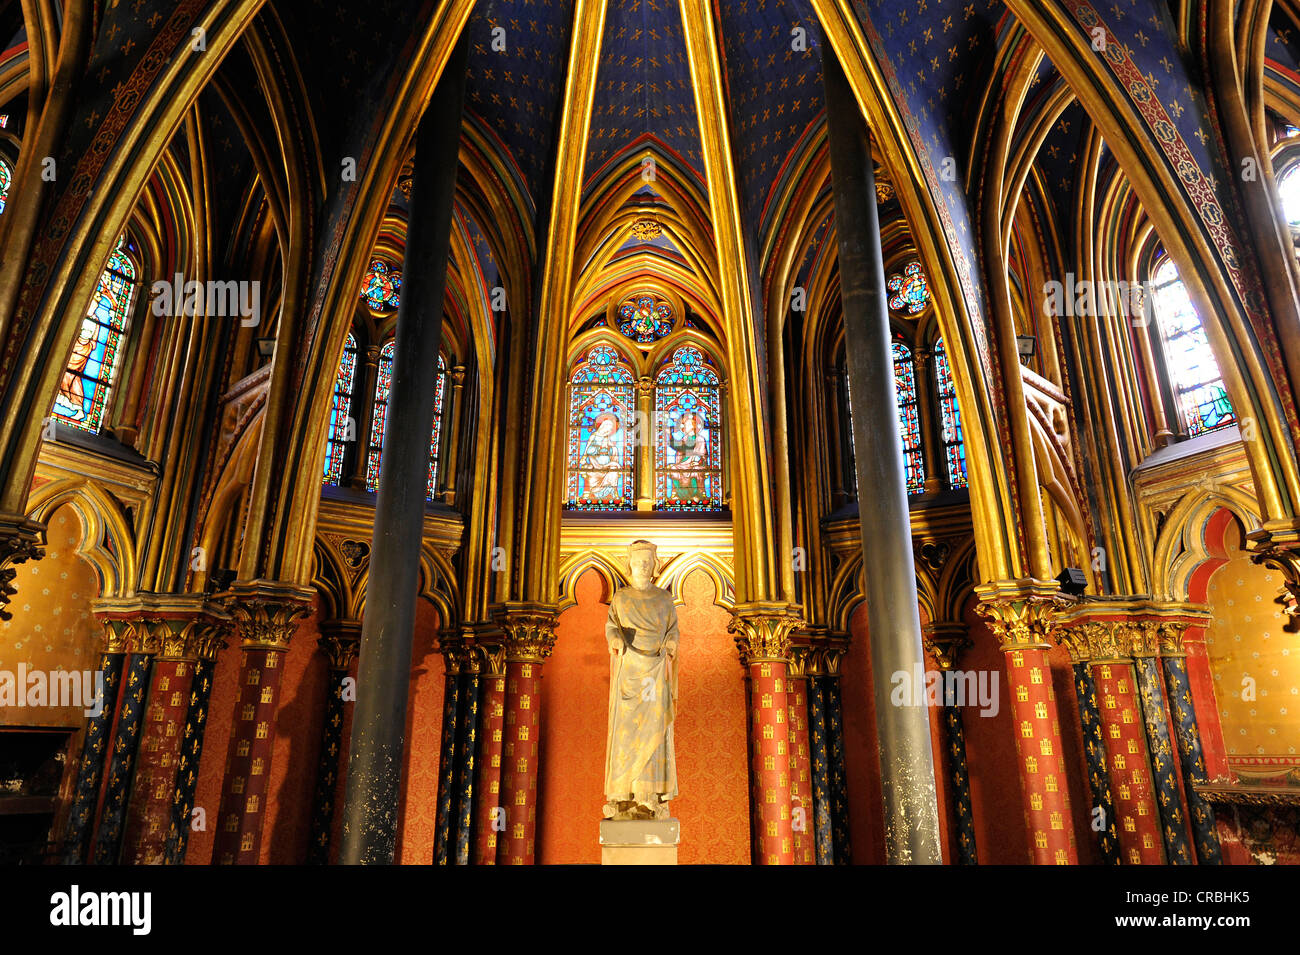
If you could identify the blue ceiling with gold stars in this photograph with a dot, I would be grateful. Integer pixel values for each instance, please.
(643, 86)
(515, 80)
(772, 55)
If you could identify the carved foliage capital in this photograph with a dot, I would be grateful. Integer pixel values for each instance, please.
(340, 641)
(762, 632)
(1023, 621)
(944, 642)
(267, 613)
(528, 633)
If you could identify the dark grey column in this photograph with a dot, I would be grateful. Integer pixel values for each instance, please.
(388, 624)
(906, 761)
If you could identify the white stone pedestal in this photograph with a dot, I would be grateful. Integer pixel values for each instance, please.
(639, 841)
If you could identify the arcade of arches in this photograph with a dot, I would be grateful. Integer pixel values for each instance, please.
(947, 350)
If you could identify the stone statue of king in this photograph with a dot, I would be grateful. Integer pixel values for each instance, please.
(640, 768)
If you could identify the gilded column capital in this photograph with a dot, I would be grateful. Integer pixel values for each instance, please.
(945, 641)
(1104, 630)
(1143, 637)
(763, 630)
(119, 633)
(485, 649)
(209, 639)
(21, 540)
(1021, 613)
(340, 641)
(1171, 637)
(528, 631)
(800, 657)
(455, 651)
(458, 376)
(267, 612)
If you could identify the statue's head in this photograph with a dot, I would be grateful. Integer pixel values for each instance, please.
(642, 562)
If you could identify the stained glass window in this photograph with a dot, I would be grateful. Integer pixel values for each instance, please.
(602, 403)
(342, 426)
(435, 438)
(84, 389)
(383, 385)
(382, 287)
(645, 318)
(1193, 373)
(954, 440)
(1289, 189)
(5, 177)
(908, 290)
(688, 449)
(909, 418)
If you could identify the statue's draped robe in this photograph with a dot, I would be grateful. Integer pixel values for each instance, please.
(639, 761)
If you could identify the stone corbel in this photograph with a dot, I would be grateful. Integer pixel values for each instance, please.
(21, 540)
(1282, 556)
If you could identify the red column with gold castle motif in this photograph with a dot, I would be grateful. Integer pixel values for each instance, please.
(489, 813)
(267, 617)
(1022, 622)
(802, 822)
(529, 639)
(762, 632)
(1126, 757)
(1120, 638)
(185, 634)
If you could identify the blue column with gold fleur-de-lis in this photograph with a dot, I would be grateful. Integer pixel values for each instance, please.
(126, 741)
(451, 654)
(462, 825)
(965, 834)
(95, 746)
(944, 641)
(1163, 764)
(819, 755)
(187, 767)
(1182, 711)
(340, 640)
(835, 752)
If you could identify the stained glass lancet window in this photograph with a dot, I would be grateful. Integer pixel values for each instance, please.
(909, 418)
(342, 426)
(88, 379)
(954, 441)
(435, 438)
(602, 403)
(379, 417)
(5, 178)
(382, 287)
(1193, 373)
(908, 290)
(383, 384)
(688, 434)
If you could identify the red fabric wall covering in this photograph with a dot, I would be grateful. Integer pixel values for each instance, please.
(709, 734)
